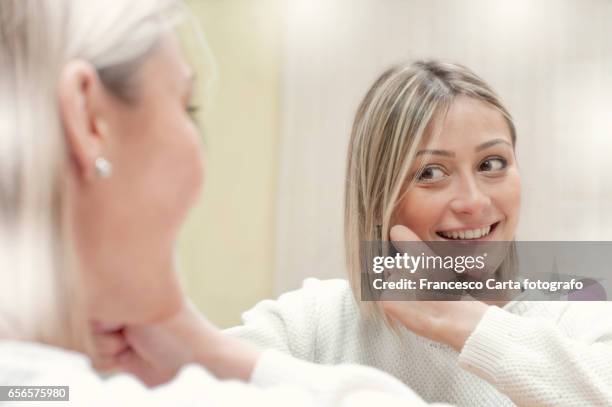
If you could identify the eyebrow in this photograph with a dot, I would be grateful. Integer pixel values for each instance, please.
(491, 143)
(478, 148)
(436, 152)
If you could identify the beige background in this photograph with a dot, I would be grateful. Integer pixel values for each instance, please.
(550, 61)
(227, 248)
(291, 73)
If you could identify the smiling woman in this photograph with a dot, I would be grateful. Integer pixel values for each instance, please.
(464, 182)
(432, 148)
(431, 158)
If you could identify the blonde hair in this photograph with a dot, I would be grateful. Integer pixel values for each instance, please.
(41, 298)
(391, 122)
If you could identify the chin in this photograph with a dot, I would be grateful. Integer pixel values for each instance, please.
(165, 310)
(137, 307)
(158, 307)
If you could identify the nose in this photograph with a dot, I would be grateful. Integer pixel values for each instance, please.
(469, 199)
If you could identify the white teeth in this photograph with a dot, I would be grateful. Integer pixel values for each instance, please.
(468, 234)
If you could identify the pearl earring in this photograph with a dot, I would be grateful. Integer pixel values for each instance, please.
(104, 169)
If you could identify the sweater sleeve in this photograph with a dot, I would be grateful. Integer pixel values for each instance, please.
(535, 361)
(279, 380)
(338, 385)
(290, 324)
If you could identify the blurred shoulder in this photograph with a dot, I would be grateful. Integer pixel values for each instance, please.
(334, 288)
(317, 296)
(33, 364)
(26, 361)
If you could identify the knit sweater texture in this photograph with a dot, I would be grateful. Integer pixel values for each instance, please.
(526, 353)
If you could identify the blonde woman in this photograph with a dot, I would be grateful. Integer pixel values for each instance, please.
(432, 158)
(99, 163)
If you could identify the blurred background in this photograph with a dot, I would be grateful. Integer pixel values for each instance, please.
(290, 76)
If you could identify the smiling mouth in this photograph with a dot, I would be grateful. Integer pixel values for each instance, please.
(468, 234)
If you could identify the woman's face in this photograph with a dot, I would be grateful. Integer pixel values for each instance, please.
(126, 225)
(469, 187)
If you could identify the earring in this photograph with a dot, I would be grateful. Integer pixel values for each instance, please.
(104, 169)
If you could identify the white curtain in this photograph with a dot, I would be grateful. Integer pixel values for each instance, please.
(550, 60)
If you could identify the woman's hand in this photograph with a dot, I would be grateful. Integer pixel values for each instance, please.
(156, 352)
(448, 322)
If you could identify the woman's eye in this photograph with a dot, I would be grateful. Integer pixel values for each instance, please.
(493, 164)
(192, 110)
(431, 174)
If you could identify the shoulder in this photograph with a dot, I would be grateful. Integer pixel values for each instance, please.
(294, 322)
(29, 361)
(314, 297)
(33, 364)
(335, 290)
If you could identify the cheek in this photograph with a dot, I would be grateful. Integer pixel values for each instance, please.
(160, 171)
(420, 210)
(180, 174)
(508, 200)
(190, 171)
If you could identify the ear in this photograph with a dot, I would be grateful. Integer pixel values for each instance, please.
(80, 94)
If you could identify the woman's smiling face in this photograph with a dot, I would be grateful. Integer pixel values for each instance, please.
(468, 186)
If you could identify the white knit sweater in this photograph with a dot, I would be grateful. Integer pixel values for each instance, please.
(526, 353)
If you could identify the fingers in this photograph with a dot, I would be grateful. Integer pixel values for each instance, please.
(398, 311)
(400, 234)
(109, 342)
(406, 241)
(131, 362)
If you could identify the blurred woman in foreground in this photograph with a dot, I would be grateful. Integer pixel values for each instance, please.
(99, 164)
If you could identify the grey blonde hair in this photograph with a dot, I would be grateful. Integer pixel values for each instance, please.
(391, 122)
(41, 299)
